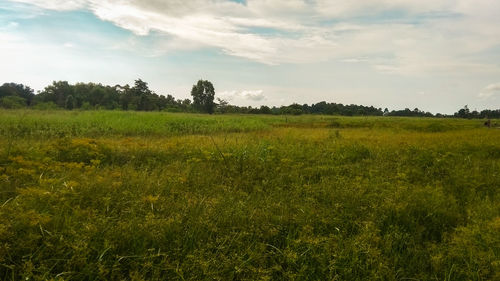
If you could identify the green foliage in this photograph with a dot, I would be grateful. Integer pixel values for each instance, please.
(203, 94)
(108, 195)
(45, 106)
(140, 98)
(12, 102)
(70, 102)
(17, 90)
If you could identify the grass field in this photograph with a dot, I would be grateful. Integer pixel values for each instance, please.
(155, 196)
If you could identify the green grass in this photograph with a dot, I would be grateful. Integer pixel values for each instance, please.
(155, 196)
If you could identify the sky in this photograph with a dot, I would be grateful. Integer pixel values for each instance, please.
(437, 55)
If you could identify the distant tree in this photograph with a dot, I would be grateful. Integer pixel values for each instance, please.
(141, 87)
(203, 94)
(70, 102)
(86, 106)
(46, 106)
(96, 95)
(141, 96)
(12, 102)
(293, 109)
(222, 105)
(490, 113)
(265, 110)
(410, 113)
(170, 103)
(124, 96)
(57, 93)
(138, 97)
(185, 105)
(17, 90)
(463, 113)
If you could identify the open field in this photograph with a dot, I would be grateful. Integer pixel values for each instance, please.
(154, 196)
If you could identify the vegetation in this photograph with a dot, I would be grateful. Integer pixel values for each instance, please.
(88, 96)
(466, 113)
(203, 94)
(113, 195)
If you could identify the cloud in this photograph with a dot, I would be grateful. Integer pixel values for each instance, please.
(228, 95)
(490, 91)
(393, 36)
(493, 87)
(12, 24)
(59, 5)
(243, 95)
(254, 95)
(9, 26)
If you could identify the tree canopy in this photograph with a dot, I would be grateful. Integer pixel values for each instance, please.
(86, 96)
(203, 94)
(23, 94)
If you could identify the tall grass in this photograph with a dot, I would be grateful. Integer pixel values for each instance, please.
(187, 197)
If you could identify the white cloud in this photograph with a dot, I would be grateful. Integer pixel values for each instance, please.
(12, 24)
(490, 91)
(228, 95)
(243, 95)
(425, 36)
(59, 5)
(493, 87)
(254, 95)
(485, 95)
(9, 26)
(343, 8)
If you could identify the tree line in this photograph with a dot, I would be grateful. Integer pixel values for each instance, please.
(87, 96)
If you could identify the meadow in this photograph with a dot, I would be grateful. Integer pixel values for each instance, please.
(109, 195)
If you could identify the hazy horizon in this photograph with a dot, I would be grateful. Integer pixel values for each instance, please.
(435, 55)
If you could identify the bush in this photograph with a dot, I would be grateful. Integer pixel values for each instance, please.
(12, 102)
(46, 106)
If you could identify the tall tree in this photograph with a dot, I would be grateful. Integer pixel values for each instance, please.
(203, 96)
(17, 90)
(58, 92)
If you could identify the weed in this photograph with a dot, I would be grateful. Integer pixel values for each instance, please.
(154, 196)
